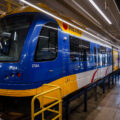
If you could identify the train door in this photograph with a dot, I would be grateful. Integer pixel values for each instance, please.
(99, 62)
(115, 60)
(89, 56)
(64, 38)
(80, 55)
(99, 56)
(97, 71)
(95, 56)
(47, 65)
(86, 54)
(118, 59)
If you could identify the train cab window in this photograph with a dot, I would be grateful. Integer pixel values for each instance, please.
(13, 31)
(79, 49)
(47, 47)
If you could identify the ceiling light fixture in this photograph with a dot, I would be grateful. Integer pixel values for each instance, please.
(95, 21)
(56, 17)
(87, 13)
(100, 11)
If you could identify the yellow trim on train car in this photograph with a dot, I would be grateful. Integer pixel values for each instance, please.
(115, 60)
(68, 85)
(17, 93)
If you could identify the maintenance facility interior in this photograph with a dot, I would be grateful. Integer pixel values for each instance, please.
(60, 59)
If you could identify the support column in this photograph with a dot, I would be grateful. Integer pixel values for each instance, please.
(113, 78)
(85, 100)
(96, 93)
(104, 85)
(67, 110)
(109, 79)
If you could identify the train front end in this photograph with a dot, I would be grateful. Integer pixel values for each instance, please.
(15, 89)
(15, 31)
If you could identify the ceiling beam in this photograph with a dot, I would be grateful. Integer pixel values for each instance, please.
(13, 3)
(9, 7)
(2, 5)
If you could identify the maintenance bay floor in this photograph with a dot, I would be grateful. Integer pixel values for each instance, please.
(106, 107)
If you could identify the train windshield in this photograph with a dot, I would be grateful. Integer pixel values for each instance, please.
(13, 31)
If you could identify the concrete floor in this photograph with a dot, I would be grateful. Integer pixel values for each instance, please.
(107, 107)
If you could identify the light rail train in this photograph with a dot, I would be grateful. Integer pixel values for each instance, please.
(36, 49)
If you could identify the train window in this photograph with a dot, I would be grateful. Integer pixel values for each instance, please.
(13, 31)
(99, 57)
(104, 55)
(74, 48)
(86, 50)
(47, 47)
(95, 56)
(79, 49)
(110, 57)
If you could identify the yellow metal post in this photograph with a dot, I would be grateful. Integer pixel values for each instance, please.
(32, 109)
(56, 101)
(60, 105)
(42, 104)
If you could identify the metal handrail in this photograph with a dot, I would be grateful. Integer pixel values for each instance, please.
(56, 101)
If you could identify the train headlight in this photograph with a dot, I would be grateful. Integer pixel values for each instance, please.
(7, 77)
(13, 75)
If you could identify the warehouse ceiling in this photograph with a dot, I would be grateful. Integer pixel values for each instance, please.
(82, 11)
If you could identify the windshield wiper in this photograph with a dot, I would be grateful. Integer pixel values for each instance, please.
(5, 34)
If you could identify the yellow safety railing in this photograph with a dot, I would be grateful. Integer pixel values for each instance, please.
(55, 100)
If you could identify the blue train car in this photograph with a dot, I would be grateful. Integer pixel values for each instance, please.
(36, 49)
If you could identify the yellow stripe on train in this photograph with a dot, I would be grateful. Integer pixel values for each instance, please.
(68, 85)
(69, 29)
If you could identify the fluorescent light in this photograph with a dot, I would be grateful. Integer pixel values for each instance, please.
(100, 11)
(56, 17)
(88, 14)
